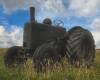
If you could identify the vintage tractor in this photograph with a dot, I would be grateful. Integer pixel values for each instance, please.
(40, 40)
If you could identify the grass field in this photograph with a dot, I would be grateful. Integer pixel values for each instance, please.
(67, 72)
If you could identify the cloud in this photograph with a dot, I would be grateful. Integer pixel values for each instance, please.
(49, 6)
(86, 8)
(22, 4)
(12, 5)
(60, 8)
(95, 25)
(12, 38)
(96, 35)
(55, 6)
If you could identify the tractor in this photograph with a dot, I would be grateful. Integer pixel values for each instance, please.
(47, 41)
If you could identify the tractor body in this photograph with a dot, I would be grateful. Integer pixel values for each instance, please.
(35, 34)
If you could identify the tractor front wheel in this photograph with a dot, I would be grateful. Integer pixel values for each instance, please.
(14, 56)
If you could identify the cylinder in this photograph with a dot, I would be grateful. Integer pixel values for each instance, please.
(32, 14)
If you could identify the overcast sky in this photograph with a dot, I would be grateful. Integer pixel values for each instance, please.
(14, 13)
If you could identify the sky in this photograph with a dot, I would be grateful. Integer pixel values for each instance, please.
(15, 13)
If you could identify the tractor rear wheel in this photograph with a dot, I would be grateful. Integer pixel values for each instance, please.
(82, 47)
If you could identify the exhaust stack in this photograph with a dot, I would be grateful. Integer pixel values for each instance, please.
(32, 14)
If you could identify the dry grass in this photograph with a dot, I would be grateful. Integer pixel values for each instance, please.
(65, 72)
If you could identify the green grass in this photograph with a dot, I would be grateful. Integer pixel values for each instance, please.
(66, 72)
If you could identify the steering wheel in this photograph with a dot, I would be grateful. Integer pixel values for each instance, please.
(58, 22)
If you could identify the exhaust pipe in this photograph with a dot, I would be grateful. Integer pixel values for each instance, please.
(32, 14)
